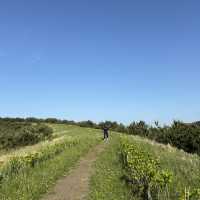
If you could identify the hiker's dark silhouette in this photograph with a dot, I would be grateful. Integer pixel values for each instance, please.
(105, 132)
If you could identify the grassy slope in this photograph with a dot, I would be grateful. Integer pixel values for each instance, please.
(33, 182)
(106, 183)
(185, 167)
(60, 130)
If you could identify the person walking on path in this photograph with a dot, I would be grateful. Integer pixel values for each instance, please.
(105, 132)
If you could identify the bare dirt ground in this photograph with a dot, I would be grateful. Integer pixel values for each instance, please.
(75, 185)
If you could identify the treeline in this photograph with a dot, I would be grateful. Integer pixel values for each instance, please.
(184, 136)
(35, 120)
(181, 135)
(14, 134)
(114, 126)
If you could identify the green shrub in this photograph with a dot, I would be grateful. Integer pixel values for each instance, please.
(13, 134)
(143, 171)
(181, 135)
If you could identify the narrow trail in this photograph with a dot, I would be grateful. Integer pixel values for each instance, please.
(75, 185)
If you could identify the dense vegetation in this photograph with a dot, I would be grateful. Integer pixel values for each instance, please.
(148, 180)
(159, 172)
(14, 134)
(181, 135)
(90, 124)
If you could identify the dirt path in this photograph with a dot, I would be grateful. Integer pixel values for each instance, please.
(75, 185)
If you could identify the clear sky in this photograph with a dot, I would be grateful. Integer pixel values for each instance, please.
(100, 59)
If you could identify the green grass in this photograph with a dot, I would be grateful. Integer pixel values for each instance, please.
(185, 167)
(59, 130)
(70, 130)
(106, 183)
(31, 183)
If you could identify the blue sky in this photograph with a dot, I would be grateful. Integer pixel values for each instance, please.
(109, 59)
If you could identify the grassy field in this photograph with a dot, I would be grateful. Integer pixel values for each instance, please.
(185, 167)
(57, 156)
(107, 182)
(31, 182)
(60, 131)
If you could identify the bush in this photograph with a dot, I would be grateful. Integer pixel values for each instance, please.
(44, 130)
(13, 134)
(144, 172)
(138, 128)
(181, 135)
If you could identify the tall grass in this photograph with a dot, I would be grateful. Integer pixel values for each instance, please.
(31, 181)
(185, 168)
(108, 180)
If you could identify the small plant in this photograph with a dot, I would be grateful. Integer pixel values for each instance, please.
(190, 194)
(1, 177)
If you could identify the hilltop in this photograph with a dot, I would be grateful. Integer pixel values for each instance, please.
(31, 171)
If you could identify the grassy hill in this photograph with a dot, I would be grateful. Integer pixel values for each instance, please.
(109, 182)
(28, 172)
